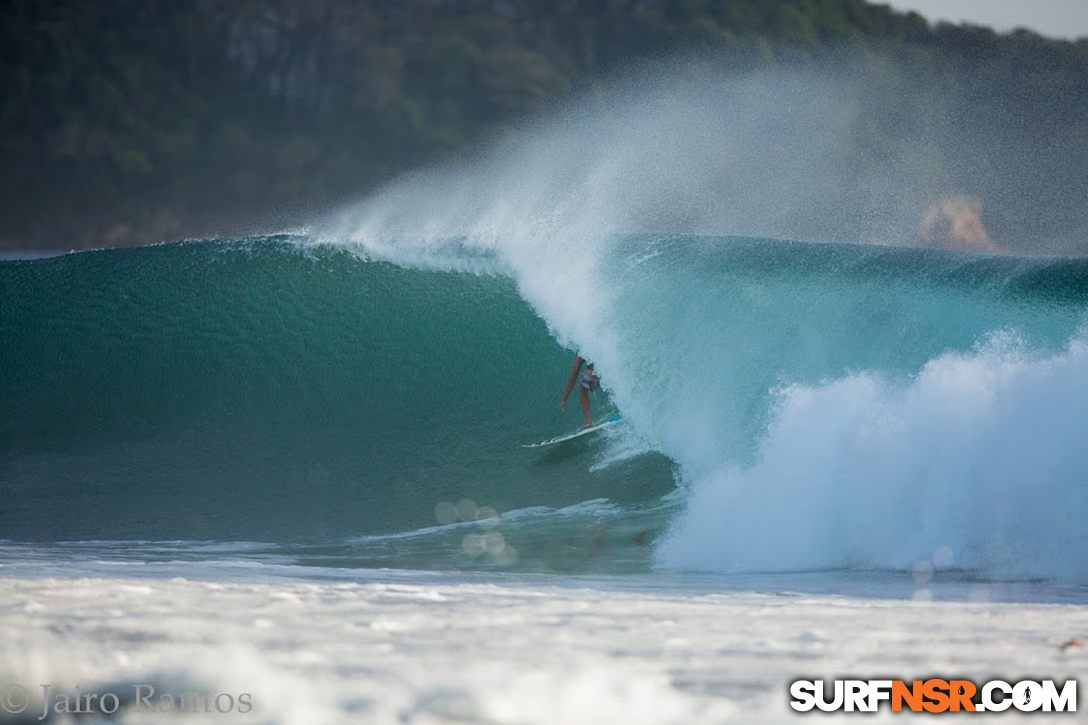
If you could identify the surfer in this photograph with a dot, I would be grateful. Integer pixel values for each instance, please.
(590, 382)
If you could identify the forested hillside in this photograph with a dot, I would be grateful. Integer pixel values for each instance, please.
(131, 121)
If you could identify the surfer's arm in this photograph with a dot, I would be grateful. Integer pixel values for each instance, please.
(571, 380)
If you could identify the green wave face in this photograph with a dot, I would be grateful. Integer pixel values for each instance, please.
(279, 391)
(266, 392)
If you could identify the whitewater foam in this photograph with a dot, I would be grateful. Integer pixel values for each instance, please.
(976, 462)
(326, 646)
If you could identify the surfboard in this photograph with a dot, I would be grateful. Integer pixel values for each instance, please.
(609, 422)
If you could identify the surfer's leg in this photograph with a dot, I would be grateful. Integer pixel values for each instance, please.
(583, 397)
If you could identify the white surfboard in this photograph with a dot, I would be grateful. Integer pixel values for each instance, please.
(610, 421)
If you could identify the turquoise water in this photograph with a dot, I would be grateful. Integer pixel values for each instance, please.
(322, 401)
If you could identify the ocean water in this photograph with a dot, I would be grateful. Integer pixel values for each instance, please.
(327, 645)
(292, 466)
(787, 406)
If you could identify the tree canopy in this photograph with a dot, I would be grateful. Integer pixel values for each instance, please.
(128, 121)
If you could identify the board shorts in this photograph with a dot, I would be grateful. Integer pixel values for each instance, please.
(590, 381)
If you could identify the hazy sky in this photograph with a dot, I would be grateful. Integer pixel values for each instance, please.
(1056, 18)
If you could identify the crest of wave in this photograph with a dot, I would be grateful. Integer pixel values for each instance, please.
(675, 148)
